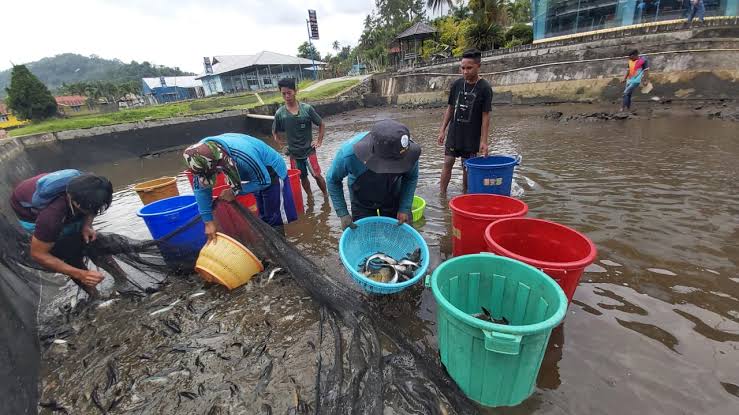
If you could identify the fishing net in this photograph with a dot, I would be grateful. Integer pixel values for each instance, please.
(363, 362)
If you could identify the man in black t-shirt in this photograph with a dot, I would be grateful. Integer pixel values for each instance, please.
(467, 116)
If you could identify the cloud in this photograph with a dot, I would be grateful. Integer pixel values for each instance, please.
(174, 33)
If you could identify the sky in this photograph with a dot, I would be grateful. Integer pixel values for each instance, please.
(173, 33)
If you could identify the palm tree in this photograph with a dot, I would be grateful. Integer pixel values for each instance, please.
(493, 11)
(336, 45)
(519, 11)
(435, 5)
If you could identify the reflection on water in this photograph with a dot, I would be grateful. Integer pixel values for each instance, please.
(654, 326)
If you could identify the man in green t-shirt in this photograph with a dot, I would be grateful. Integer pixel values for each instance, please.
(296, 120)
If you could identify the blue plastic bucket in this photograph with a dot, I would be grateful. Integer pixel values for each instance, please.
(167, 215)
(380, 234)
(492, 175)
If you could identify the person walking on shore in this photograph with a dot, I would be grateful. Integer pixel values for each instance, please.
(637, 74)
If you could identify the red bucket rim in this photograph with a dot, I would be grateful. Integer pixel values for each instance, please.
(574, 265)
(473, 215)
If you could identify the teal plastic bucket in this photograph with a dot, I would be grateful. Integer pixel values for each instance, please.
(495, 364)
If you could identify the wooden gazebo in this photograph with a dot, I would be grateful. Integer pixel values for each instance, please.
(411, 42)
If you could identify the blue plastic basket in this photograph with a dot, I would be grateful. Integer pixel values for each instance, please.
(381, 234)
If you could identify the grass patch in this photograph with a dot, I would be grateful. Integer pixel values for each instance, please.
(327, 91)
(305, 83)
(223, 102)
(176, 109)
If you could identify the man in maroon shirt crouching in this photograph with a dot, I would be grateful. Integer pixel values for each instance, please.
(58, 209)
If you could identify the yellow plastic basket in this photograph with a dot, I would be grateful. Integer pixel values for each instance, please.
(157, 189)
(227, 262)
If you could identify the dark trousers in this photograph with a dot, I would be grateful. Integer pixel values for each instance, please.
(360, 211)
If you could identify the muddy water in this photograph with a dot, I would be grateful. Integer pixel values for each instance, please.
(654, 326)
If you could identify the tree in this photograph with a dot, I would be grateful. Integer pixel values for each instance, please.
(460, 12)
(308, 51)
(521, 32)
(28, 97)
(490, 11)
(388, 19)
(435, 5)
(484, 36)
(519, 11)
(336, 45)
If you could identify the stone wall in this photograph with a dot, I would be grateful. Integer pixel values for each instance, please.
(66, 149)
(689, 64)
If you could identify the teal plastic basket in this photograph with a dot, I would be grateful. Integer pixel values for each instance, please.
(381, 234)
(494, 364)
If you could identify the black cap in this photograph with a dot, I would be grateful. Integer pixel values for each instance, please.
(388, 148)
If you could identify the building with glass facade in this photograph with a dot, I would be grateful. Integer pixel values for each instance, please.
(554, 18)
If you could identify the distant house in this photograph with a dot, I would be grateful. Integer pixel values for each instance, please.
(70, 104)
(7, 119)
(171, 89)
(234, 73)
(131, 101)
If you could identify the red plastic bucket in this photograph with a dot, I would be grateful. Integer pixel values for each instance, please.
(248, 200)
(293, 175)
(220, 179)
(472, 213)
(561, 252)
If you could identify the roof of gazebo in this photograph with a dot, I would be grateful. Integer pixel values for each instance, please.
(419, 30)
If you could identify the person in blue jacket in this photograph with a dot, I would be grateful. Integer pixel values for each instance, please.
(250, 166)
(382, 166)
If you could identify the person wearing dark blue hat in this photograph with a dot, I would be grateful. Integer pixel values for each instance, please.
(382, 170)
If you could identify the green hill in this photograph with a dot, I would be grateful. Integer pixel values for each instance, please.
(70, 67)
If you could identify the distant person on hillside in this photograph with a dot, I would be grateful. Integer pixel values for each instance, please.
(696, 8)
(296, 119)
(467, 116)
(637, 74)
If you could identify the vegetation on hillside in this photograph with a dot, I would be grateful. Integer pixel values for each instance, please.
(178, 109)
(70, 68)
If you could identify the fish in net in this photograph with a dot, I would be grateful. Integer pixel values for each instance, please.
(363, 361)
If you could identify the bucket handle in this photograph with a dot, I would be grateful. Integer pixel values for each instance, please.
(544, 270)
(503, 343)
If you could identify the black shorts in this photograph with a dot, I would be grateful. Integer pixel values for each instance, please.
(464, 155)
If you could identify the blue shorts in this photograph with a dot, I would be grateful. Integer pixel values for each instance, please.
(275, 203)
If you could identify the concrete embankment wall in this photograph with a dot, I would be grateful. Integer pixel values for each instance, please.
(125, 141)
(700, 64)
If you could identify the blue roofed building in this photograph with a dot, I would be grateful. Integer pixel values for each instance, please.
(171, 89)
